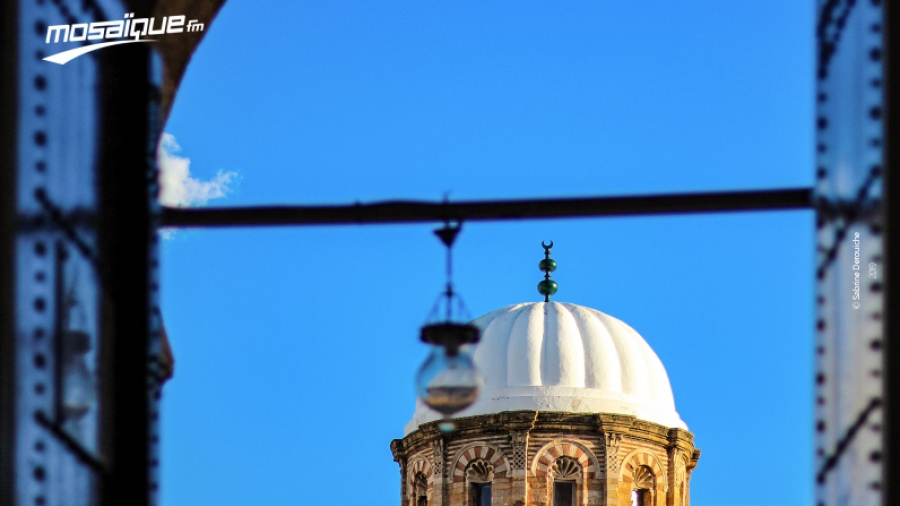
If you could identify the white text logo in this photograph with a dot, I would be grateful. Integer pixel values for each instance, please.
(130, 29)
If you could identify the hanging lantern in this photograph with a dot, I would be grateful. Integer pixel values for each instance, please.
(448, 382)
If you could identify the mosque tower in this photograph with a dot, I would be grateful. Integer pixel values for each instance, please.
(576, 409)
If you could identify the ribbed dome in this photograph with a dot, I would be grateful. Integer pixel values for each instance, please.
(552, 356)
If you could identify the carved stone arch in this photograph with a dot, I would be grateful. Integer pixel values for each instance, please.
(490, 454)
(419, 467)
(575, 450)
(643, 478)
(637, 459)
(566, 468)
(479, 471)
(420, 487)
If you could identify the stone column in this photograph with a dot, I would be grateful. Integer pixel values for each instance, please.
(695, 457)
(399, 453)
(404, 497)
(612, 463)
(672, 498)
(518, 440)
(438, 466)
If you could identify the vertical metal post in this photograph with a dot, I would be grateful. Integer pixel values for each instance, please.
(891, 429)
(125, 236)
(9, 80)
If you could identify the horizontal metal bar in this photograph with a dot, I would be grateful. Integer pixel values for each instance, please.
(419, 212)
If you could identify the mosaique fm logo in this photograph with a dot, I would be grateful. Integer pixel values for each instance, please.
(128, 28)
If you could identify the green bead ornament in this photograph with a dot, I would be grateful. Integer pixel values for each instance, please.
(547, 287)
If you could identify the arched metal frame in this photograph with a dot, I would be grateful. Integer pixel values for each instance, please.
(857, 40)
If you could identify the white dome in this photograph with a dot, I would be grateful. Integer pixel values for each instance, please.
(552, 356)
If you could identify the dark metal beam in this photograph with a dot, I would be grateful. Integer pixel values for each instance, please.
(9, 136)
(418, 212)
(124, 223)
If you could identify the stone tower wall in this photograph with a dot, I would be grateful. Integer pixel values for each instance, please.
(605, 455)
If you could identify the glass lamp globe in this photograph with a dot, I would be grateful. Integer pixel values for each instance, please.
(448, 382)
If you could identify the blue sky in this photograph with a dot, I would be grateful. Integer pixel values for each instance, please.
(296, 347)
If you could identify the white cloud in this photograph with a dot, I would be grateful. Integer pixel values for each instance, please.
(177, 187)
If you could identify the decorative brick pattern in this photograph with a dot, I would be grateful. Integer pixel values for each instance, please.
(566, 468)
(438, 462)
(638, 464)
(519, 442)
(612, 452)
(643, 478)
(548, 455)
(479, 471)
(418, 466)
(480, 451)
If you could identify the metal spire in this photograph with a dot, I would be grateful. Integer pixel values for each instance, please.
(547, 286)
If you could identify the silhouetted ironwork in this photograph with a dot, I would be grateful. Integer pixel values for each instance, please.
(418, 212)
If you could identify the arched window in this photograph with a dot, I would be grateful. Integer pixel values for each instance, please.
(479, 476)
(421, 490)
(643, 487)
(565, 472)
